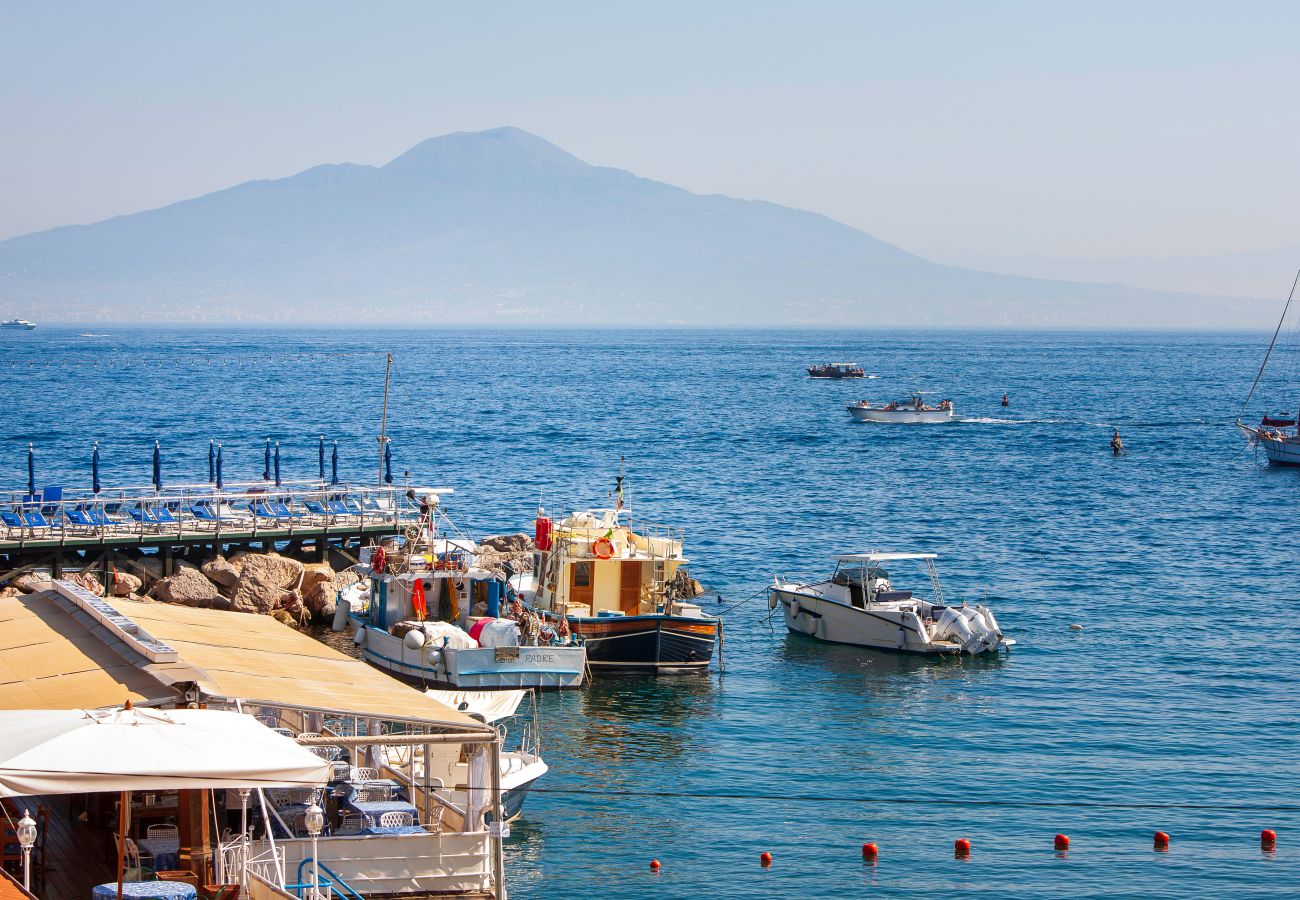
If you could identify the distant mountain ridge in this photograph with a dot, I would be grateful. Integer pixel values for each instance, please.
(502, 226)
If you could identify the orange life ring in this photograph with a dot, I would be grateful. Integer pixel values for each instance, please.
(378, 560)
(602, 548)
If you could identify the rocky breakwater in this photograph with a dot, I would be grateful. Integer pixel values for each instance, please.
(288, 589)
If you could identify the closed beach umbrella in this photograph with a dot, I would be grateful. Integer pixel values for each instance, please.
(322, 457)
(94, 469)
(31, 469)
(277, 463)
(212, 462)
(388, 463)
(266, 464)
(219, 484)
(334, 465)
(157, 467)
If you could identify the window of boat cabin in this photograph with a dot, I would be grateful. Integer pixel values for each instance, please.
(582, 574)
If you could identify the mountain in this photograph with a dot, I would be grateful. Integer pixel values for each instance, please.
(503, 227)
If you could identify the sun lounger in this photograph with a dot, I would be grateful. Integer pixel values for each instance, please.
(338, 509)
(34, 519)
(283, 511)
(316, 508)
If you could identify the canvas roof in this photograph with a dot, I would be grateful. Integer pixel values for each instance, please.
(51, 660)
(881, 557)
(54, 657)
(259, 660)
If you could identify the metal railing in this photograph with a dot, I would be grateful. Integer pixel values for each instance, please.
(199, 511)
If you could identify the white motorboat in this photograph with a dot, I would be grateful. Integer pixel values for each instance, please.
(859, 605)
(17, 325)
(913, 409)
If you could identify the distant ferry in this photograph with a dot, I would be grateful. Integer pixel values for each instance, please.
(837, 370)
(21, 324)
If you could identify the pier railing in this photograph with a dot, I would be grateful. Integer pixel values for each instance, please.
(187, 512)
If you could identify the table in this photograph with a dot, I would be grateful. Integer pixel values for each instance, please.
(164, 850)
(147, 890)
(400, 829)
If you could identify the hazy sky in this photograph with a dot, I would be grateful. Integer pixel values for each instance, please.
(951, 129)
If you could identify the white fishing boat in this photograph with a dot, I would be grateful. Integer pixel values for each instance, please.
(912, 410)
(1278, 436)
(431, 616)
(859, 605)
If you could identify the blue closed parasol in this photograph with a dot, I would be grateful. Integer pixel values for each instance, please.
(31, 470)
(94, 469)
(388, 462)
(277, 463)
(212, 462)
(266, 464)
(157, 467)
(322, 457)
(334, 465)
(219, 484)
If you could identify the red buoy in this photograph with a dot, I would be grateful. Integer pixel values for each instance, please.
(656, 864)
(765, 859)
(1161, 841)
(1268, 838)
(961, 848)
(870, 851)
(1062, 842)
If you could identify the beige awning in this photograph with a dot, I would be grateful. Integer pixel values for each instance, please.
(258, 660)
(49, 660)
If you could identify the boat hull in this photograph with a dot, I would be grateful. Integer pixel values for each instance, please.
(650, 645)
(1281, 452)
(479, 669)
(878, 629)
(912, 416)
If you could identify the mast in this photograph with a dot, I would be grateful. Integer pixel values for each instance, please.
(1276, 332)
(383, 422)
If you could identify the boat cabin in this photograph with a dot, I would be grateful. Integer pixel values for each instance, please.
(866, 577)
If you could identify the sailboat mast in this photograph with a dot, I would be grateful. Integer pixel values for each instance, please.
(383, 421)
(1276, 332)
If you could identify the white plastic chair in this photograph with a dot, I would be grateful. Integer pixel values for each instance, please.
(162, 831)
(395, 819)
(365, 774)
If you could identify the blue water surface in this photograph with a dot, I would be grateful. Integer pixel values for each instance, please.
(1179, 559)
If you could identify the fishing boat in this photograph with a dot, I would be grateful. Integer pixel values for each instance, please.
(622, 589)
(17, 325)
(431, 616)
(860, 605)
(913, 409)
(837, 370)
(1277, 435)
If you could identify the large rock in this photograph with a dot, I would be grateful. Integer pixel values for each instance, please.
(125, 584)
(508, 544)
(188, 587)
(221, 571)
(31, 581)
(272, 568)
(254, 594)
(9, 591)
(286, 617)
(149, 570)
(314, 574)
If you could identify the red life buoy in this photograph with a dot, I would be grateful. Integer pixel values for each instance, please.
(378, 560)
(602, 548)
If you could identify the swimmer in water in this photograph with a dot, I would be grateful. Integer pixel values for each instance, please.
(1116, 445)
(1006, 400)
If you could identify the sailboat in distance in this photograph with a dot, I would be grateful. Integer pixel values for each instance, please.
(1278, 435)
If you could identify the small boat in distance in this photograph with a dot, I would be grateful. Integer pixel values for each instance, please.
(859, 605)
(1278, 435)
(17, 325)
(913, 409)
(837, 370)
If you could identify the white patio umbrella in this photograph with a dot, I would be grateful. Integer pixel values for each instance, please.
(79, 751)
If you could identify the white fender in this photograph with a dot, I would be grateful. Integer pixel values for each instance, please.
(341, 610)
(771, 600)
(795, 608)
(820, 629)
(414, 639)
(360, 637)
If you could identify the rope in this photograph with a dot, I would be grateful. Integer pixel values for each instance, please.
(1260, 373)
(921, 801)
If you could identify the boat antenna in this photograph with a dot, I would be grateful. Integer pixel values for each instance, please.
(383, 421)
(1260, 373)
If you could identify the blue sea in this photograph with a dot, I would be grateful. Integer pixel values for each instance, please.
(1174, 709)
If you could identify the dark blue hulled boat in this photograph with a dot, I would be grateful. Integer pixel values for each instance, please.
(624, 593)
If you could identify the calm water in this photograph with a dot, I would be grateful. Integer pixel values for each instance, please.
(1180, 558)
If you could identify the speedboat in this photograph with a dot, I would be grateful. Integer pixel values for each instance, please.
(913, 409)
(837, 370)
(859, 605)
